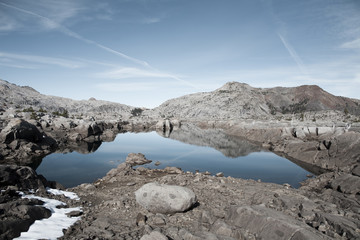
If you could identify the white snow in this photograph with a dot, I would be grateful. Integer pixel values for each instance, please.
(70, 195)
(50, 228)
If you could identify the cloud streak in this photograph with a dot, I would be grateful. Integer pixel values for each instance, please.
(293, 53)
(150, 72)
(40, 59)
(54, 25)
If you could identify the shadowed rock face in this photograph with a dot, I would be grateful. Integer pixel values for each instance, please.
(230, 146)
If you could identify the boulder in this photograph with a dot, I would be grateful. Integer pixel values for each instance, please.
(22, 177)
(270, 224)
(346, 183)
(166, 199)
(154, 235)
(135, 159)
(20, 129)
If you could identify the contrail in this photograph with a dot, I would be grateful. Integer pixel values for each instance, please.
(293, 54)
(73, 34)
(70, 33)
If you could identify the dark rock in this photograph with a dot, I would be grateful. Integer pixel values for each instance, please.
(355, 171)
(20, 129)
(17, 216)
(74, 213)
(23, 177)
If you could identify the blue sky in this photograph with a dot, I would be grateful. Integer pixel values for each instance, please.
(143, 52)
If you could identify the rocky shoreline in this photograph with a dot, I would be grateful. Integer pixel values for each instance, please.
(324, 207)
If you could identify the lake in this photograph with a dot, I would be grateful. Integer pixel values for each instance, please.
(189, 148)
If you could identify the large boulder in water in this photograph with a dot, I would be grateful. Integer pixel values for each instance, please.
(166, 199)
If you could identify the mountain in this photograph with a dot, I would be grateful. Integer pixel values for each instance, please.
(24, 97)
(232, 101)
(240, 101)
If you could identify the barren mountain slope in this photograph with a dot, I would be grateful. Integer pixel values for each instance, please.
(20, 97)
(239, 100)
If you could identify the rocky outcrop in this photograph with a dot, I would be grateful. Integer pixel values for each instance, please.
(19, 129)
(166, 199)
(17, 214)
(21, 142)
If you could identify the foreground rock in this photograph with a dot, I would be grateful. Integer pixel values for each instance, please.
(16, 213)
(166, 199)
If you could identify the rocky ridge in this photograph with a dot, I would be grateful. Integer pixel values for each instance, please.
(240, 101)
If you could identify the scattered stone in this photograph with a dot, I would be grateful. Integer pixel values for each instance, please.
(173, 170)
(141, 219)
(74, 213)
(167, 199)
(157, 163)
(135, 159)
(219, 174)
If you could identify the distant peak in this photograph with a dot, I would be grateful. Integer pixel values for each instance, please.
(234, 86)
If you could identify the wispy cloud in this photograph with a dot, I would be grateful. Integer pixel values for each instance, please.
(55, 25)
(130, 72)
(355, 44)
(293, 53)
(38, 59)
(149, 72)
(127, 87)
(151, 20)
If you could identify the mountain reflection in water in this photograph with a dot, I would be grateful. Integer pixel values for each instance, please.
(190, 148)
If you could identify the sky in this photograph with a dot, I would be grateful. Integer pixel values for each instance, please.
(144, 52)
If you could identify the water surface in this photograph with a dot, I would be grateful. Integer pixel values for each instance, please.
(231, 155)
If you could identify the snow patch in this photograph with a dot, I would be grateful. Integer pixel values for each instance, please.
(50, 228)
(67, 194)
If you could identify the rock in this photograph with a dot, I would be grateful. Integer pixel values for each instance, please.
(166, 199)
(173, 170)
(135, 159)
(20, 129)
(356, 170)
(141, 219)
(23, 177)
(270, 224)
(154, 235)
(157, 163)
(158, 220)
(17, 216)
(219, 174)
(346, 183)
(74, 213)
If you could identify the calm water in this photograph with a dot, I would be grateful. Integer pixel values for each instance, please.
(242, 158)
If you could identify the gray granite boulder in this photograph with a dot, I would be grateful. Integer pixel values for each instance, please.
(167, 199)
(154, 235)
